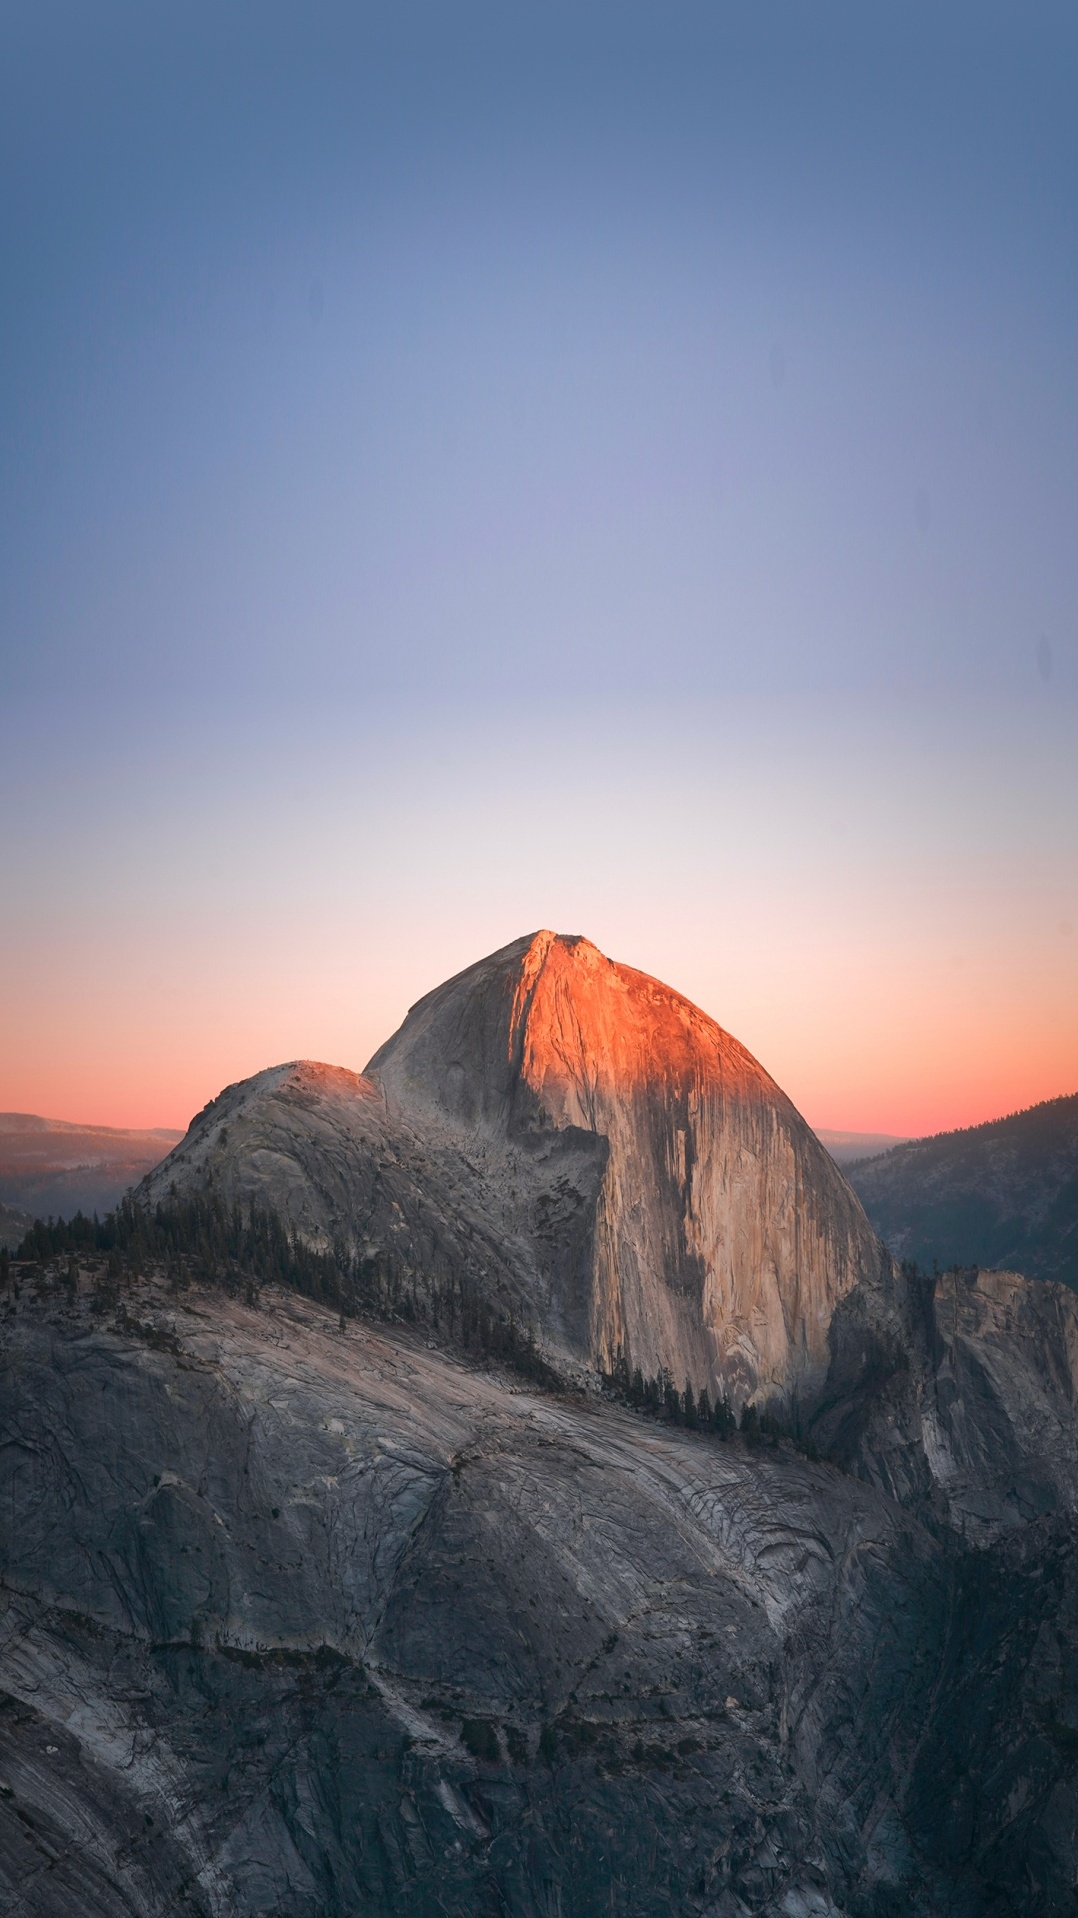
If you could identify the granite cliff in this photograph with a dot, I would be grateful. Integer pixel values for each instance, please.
(332, 1625)
(318, 1616)
(604, 1158)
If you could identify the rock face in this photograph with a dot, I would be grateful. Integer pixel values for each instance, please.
(330, 1626)
(317, 1618)
(608, 1161)
(958, 1396)
(14, 1225)
(1001, 1194)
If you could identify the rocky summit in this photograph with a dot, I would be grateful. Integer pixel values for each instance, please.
(604, 1159)
(310, 1613)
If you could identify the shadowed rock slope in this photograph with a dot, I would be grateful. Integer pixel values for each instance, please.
(600, 1156)
(327, 1625)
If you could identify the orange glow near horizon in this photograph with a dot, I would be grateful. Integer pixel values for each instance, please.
(183, 1086)
(125, 1060)
(175, 1099)
(452, 486)
(888, 925)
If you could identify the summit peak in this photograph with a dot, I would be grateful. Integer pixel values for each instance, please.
(719, 1233)
(583, 1142)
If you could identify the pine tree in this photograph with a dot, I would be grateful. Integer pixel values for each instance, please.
(722, 1418)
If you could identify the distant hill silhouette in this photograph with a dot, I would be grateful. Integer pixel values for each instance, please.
(1003, 1194)
(51, 1166)
(845, 1147)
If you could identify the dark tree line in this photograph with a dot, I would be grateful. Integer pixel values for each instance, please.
(659, 1398)
(204, 1240)
(199, 1238)
(241, 1249)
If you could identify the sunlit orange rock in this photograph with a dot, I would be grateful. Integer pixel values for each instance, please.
(719, 1235)
(582, 1148)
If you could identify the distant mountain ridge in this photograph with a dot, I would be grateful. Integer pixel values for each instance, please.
(58, 1167)
(846, 1147)
(1002, 1194)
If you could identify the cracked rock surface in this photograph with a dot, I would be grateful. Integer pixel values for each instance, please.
(314, 1618)
(310, 1622)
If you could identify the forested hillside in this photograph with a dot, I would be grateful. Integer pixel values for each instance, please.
(1003, 1194)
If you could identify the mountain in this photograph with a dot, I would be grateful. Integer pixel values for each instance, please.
(49, 1167)
(606, 1162)
(1001, 1194)
(571, 1147)
(846, 1147)
(335, 1615)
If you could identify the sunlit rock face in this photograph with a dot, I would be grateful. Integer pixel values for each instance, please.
(329, 1616)
(596, 1154)
(720, 1235)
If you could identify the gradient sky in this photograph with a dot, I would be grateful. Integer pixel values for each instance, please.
(605, 467)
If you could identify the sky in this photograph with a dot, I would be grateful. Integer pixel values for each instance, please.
(472, 468)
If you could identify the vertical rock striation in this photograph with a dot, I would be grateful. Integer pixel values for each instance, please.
(312, 1616)
(717, 1236)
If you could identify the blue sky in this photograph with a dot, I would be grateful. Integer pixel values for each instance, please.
(518, 432)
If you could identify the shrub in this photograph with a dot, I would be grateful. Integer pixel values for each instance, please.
(480, 1738)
